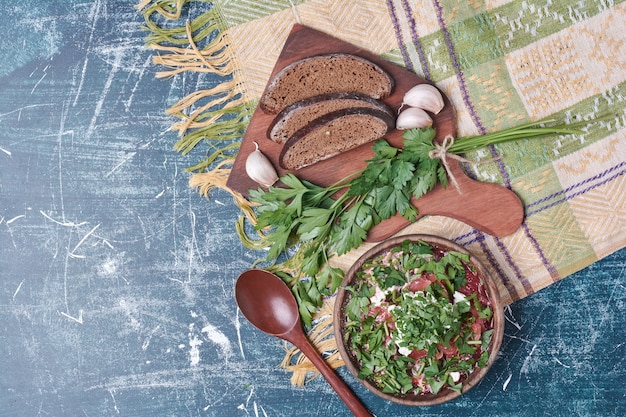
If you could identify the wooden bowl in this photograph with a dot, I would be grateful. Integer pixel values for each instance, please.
(412, 398)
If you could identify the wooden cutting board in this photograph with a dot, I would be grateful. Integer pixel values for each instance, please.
(490, 208)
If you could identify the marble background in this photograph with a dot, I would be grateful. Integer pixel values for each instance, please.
(116, 279)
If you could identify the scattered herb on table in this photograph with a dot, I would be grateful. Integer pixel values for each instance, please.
(418, 320)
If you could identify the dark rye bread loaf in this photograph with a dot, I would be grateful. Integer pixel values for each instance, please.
(332, 134)
(297, 115)
(325, 74)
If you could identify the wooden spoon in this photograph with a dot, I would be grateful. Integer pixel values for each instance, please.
(267, 302)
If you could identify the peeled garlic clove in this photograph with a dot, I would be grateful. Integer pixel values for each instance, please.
(424, 96)
(413, 118)
(260, 169)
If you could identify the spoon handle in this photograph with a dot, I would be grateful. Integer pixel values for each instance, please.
(340, 387)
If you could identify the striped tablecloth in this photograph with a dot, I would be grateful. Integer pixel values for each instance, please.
(501, 63)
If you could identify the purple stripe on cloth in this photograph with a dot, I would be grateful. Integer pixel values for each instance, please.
(477, 236)
(567, 194)
(415, 38)
(528, 289)
(544, 260)
(401, 44)
(577, 189)
(457, 67)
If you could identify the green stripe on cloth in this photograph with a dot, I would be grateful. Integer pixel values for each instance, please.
(537, 185)
(491, 34)
(526, 156)
(239, 12)
(494, 96)
(561, 239)
(523, 22)
(475, 41)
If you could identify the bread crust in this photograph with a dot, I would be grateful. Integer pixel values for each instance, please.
(332, 134)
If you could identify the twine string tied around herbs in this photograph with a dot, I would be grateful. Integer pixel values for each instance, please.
(441, 152)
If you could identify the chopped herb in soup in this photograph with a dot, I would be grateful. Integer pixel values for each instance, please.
(418, 319)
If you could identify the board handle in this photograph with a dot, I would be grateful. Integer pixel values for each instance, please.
(490, 208)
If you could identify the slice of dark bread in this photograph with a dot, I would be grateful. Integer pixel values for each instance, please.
(297, 115)
(332, 134)
(324, 74)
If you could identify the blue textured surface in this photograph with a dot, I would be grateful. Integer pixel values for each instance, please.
(116, 279)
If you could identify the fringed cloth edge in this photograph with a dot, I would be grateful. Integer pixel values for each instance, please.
(218, 117)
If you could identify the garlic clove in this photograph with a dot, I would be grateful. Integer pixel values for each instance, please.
(260, 169)
(413, 118)
(424, 96)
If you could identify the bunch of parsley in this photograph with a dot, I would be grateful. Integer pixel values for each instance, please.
(323, 225)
